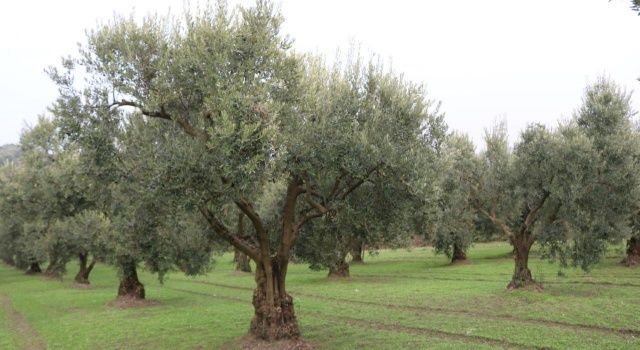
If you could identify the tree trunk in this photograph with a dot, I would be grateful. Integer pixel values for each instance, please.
(633, 252)
(241, 259)
(242, 262)
(34, 268)
(82, 277)
(458, 254)
(130, 286)
(52, 270)
(521, 274)
(274, 317)
(339, 269)
(357, 253)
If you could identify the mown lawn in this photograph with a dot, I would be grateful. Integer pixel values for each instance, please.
(397, 299)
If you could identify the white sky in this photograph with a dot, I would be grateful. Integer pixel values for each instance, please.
(526, 61)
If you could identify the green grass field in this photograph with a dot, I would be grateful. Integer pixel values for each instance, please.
(397, 299)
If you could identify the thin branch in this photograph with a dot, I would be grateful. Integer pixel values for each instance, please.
(359, 182)
(308, 192)
(163, 114)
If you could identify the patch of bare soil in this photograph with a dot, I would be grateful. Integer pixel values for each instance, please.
(27, 336)
(51, 277)
(127, 302)
(531, 287)
(461, 262)
(81, 285)
(252, 343)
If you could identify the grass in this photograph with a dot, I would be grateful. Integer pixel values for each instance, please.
(397, 299)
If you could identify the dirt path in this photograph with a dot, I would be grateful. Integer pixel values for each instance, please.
(28, 338)
(429, 309)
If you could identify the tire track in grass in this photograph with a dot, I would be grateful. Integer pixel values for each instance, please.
(27, 337)
(384, 326)
(432, 309)
(439, 272)
(223, 297)
(439, 278)
(429, 332)
(499, 317)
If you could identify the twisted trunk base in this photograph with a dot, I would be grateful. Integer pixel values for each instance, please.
(130, 286)
(242, 261)
(633, 252)
(339, 270)
(522, 275)
(82, 277)
(274, 317)
(53, 270)
(357, 254)
(459, 255)
(34, 268)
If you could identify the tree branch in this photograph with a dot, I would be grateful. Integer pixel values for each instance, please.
(531, 216)
(359, 182)
(223, 232)
(494, 219)
(261, 232)
(163, 114)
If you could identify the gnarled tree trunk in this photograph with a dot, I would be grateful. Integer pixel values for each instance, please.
(34, 268)
(242, 261)
(357, 252)
(458, 254)
(521, 274)
(53, 268)
(339, 270)
(274, 317)
(633, 252)
(130, 286)
(82, 277)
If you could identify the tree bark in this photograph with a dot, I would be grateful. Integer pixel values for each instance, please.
(82, 277)
(130, 286)
(521, 274)
(52, 270)
(633, 252)
(34, 268)
(357, 253)
(274, 317)
(339, 270)
(242, 261)
(458, 254)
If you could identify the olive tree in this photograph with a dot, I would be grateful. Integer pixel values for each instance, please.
(456, 210)
(606, 117)
(376, 214)
(250, 112)
(50, 190)
(569, 189)
(11, 223)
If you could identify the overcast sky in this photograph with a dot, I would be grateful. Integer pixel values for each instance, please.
(525, 61)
